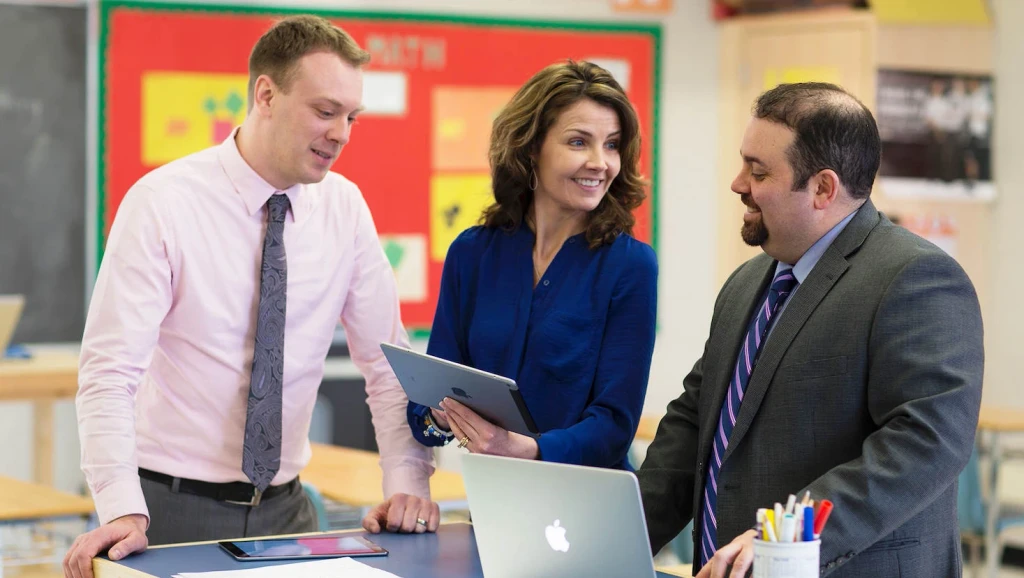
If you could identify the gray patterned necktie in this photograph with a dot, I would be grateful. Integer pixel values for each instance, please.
(261, 452)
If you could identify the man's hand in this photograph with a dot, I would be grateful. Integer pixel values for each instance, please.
(483, 437)
(739, 553)
(403, 513)
(123, 536)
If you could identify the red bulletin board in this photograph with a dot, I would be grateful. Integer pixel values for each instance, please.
(173, 77)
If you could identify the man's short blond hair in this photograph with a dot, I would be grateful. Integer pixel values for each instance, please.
(278, 51)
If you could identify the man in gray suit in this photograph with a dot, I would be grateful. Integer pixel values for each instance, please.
(846, 361)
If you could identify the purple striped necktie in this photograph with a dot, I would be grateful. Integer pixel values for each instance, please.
(781, 287)
(261, 450)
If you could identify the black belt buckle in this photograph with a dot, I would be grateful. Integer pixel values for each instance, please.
(257, 495)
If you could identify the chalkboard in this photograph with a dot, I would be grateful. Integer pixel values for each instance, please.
(42, 167)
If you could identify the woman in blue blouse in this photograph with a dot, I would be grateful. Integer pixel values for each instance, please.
(552, 291)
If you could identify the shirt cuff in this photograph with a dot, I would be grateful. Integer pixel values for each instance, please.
(432, 435)
(405, 478)
(120, 498)
(556, 446)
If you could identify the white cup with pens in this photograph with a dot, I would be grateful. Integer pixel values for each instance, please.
(788, 544)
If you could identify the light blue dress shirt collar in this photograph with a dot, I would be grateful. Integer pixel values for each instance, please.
(806, 263)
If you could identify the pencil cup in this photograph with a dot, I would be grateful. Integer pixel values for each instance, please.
(786, 559)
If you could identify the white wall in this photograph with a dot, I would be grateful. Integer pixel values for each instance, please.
(1004, 312)
(686, 186)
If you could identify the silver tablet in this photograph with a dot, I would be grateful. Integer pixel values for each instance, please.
(427, 380)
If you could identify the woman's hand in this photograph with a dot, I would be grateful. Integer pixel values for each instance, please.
(480, 436)
(440, 419)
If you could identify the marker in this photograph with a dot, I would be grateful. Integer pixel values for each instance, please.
(778, 519)
(769, 526)
(821, 517)
(762, 516)
(790, 503)
(788, 528)
(808, 527)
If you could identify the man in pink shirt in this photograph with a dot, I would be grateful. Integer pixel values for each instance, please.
(224, 277)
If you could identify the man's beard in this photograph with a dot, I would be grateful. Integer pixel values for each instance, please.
(754, 233)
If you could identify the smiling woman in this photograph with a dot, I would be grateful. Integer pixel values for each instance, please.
(552, 290)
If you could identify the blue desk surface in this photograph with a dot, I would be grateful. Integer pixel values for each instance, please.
(450, 553)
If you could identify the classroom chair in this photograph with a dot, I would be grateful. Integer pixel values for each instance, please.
(972, 509)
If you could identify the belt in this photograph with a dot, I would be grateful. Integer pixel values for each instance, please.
(240, 493)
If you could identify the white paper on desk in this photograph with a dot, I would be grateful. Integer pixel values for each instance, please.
(333, 568)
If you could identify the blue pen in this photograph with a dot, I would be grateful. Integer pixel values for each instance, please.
(808, 524)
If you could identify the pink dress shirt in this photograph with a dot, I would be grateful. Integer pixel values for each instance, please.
(168, 344)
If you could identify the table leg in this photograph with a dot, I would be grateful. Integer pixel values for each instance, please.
(43, 435)
(992, 549)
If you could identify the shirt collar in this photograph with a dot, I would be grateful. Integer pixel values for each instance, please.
(806, 263)
(250, 186)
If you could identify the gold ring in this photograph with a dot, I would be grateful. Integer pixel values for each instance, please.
(421, 521)
(463, 442)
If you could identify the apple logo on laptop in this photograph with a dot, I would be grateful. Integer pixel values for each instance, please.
(555, 535)
(460, 392)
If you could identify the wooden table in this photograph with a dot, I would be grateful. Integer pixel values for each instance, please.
(25, 501)
(51, 374)
(648, 427)
(354, 477)
(29, 503)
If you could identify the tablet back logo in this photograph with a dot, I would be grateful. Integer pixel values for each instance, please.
(555, 535)
(460, 392)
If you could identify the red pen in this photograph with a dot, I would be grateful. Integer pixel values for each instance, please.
(821, 517)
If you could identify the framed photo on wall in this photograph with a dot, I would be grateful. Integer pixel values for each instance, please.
(936, 134)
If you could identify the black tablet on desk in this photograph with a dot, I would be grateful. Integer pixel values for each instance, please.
(303, 548)
(427, 380)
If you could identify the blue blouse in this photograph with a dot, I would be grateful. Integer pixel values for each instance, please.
(579, 345)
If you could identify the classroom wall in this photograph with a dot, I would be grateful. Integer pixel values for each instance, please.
(686, 176)
(1004, 311)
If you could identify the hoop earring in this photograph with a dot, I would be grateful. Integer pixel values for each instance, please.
(534, 181)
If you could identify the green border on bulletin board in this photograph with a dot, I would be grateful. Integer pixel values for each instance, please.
(106, 6)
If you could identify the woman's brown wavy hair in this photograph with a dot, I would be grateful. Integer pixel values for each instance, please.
(519, 131)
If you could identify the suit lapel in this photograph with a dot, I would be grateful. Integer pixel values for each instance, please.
(805, 300)
(724, 349)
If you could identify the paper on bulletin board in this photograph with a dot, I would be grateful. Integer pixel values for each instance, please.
(456, 203)
(776, 76)
(930, 11)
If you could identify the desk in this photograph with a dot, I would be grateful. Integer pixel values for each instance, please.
(42, 547)
(50, 374)
(354, 477)
(25, 502)
(450, 553)
(647, 427)
(996, 421)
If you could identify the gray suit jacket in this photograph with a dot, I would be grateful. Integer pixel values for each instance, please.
(867, 394)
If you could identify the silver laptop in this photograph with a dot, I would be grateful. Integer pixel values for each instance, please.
(10, 313)
(534, 519)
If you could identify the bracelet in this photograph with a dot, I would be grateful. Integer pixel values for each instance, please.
(434, 431)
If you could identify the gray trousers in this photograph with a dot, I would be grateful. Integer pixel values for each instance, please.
(178, 517)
